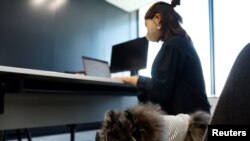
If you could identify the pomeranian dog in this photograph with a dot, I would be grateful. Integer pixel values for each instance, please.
(148, 122)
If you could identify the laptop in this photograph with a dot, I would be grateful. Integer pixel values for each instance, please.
(96, 67)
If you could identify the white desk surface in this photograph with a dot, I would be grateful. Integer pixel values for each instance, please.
(9, 69)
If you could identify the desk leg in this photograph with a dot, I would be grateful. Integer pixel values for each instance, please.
(19, 134)
(27, 134)
(1, 97)
(72, 132)
(3, 135)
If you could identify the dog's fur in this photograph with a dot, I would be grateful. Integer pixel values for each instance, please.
(145, 123)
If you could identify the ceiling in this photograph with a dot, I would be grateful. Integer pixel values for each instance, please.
(130, 5)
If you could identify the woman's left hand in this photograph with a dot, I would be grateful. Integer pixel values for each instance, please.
(132, 80)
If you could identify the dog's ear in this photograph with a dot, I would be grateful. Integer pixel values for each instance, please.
(109, 119)
(198, 124)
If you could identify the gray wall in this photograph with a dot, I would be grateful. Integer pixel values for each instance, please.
(37, 38)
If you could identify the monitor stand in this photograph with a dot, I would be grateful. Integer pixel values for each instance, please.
(134, 72)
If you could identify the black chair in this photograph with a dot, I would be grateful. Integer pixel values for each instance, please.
(234, 102)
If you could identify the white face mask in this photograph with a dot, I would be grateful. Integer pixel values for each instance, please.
(153, 33)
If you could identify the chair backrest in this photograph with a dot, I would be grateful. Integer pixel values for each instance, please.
(234, 102)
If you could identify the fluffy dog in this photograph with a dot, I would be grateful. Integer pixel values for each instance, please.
(147, 122)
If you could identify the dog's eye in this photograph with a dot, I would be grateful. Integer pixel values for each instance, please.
(137, 134)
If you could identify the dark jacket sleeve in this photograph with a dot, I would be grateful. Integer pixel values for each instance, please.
(160, 87)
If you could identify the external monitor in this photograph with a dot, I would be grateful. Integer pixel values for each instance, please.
(130, 55)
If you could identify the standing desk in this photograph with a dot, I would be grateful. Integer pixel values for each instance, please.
(36, 98)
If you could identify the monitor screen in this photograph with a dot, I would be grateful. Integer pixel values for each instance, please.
(130, 55)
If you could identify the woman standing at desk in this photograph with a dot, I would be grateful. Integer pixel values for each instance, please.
(177, 81)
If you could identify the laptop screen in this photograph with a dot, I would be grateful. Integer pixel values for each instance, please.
(96, 67)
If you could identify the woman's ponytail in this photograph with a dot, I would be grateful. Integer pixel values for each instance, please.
(175, 2)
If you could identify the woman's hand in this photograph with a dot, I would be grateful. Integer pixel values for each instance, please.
(132, 80)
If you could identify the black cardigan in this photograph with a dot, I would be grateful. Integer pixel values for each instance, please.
(177, 82)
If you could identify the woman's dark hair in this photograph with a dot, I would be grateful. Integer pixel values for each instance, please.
(170, 19)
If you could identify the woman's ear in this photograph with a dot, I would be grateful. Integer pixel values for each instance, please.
(157, 18)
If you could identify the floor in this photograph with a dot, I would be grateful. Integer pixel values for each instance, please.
(79, 136)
